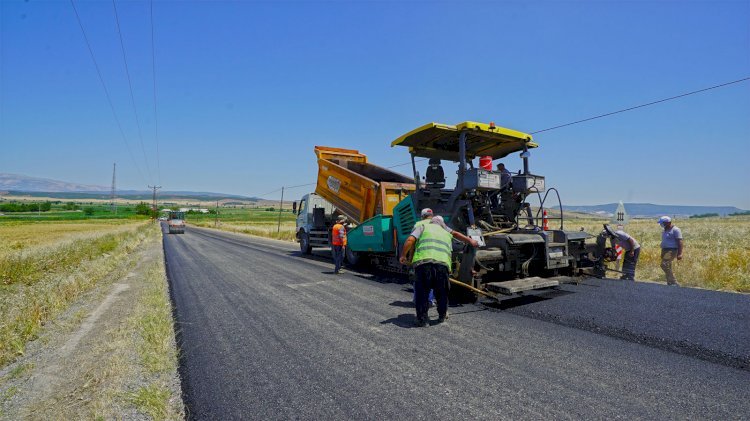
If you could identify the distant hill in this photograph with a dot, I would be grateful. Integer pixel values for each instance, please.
(21, 185)
(32, 184)
(636, 210)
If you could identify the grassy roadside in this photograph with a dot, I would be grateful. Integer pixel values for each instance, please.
(37, 284)
(267, 230)
(259, 222)
(122, 363)
(155, 341)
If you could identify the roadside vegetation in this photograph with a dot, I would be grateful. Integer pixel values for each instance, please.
(58, 210)
(261, 222)
(128, 365)
(40, 277)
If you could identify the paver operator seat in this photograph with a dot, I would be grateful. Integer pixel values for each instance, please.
(435, 177)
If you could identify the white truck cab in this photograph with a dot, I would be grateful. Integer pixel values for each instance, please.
(314, 221)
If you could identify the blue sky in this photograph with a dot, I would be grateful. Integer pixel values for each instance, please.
(246, 89)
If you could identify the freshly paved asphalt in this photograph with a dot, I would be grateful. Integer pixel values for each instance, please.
(266, 333)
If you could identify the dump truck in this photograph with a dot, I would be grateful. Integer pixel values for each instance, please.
(356, 188)
(347, 185)
(518, 252)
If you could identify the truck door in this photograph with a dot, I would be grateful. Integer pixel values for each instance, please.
(302, 213)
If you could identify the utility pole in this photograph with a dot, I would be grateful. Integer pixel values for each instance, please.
(281, 204)
(112, 203)
(153, 206)
(216, 221)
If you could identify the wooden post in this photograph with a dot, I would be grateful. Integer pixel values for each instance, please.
(216, 221)
(281, 205)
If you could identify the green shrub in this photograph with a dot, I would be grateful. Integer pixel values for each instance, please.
(143, 209)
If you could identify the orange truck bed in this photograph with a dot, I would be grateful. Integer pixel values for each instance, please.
(356, 188)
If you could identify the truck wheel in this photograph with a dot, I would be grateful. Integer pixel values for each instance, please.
(304, 243)
(356, 259)
(352, 257)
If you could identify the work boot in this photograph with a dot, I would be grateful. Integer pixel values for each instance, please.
(443, 318)
(421, 323)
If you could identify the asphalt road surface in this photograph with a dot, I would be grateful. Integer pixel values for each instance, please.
(266, 333)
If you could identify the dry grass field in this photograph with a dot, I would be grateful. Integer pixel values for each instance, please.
(46, 266)
(100, 358)
(26, 235)
(716, 255)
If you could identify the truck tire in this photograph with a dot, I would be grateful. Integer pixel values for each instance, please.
(304, 243)
(353, 258)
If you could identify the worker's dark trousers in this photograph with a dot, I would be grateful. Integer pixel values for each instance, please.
(338, 257)
(431, 276)
(628, 265)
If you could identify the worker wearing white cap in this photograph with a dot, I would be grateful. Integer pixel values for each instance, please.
(671, 247)
(338, 243)
(432, 259)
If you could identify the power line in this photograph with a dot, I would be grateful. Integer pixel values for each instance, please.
(106, 91)
(301, 185)
(407, 163)
(153, 72)
(262, 196)
(265, 194)
(643, 105)
(562, 125)
(616, 112)
(130, 86)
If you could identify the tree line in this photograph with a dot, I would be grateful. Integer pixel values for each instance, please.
(26, 207)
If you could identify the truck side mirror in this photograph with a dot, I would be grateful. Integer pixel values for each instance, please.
(294, 208)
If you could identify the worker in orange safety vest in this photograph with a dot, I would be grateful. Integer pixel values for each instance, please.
(338, 243)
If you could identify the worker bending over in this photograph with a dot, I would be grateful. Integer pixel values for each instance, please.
(630, 247)
(432, 259)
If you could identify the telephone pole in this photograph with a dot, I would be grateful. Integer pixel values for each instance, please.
(216, 221)
(153, 206)
(112, 203)
(281, 204)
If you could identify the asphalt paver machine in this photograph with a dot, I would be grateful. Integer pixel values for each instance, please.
(518, 252)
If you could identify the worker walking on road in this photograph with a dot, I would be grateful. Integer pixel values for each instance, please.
(631, 249)
(432, 259)
(338, 243)
(671, 248)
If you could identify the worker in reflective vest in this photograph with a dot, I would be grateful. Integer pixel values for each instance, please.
(338, 243)
(432, 241)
